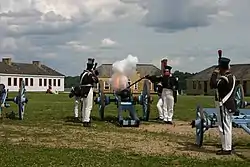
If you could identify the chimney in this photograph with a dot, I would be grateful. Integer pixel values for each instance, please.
(36, 63)
(7, 61)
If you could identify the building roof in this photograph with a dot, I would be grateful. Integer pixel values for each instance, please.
(241, 71)
(105, 70)
(35, 68)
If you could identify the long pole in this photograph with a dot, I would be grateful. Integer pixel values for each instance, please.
(220, 101)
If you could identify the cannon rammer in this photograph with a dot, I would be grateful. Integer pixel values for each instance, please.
(21, 99)
(126, 101)
(206, 118)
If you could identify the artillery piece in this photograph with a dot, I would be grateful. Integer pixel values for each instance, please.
(125, 101)
(21, 99)
(206, 118)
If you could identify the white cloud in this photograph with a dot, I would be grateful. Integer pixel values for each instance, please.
(191, 58)
(70, 31)
(78, 46)
(178, 15)
(53, 16)
(50, 56)
(8, 44)
(108, 43)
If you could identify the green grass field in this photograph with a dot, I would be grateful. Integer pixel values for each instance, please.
(48, 138)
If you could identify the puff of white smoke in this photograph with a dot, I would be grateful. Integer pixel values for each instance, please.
(122, 70)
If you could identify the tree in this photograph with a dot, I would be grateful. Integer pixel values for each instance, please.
(71, 81)
(182, 76)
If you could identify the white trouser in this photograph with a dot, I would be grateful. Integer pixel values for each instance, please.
(87, 104)
(226, 139)
(160, 108)
(76, 107)
(168, 104)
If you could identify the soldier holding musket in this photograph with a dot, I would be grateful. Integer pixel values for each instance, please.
(224, 82)
(85, 91)
(169, 91)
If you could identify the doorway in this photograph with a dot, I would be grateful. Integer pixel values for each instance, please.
(245, 86)
(205, 87)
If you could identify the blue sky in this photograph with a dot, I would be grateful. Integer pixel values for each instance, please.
(63, 34)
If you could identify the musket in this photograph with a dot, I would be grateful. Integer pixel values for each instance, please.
(136, 82)
(220, 54)
(94, 68)
(220, 101)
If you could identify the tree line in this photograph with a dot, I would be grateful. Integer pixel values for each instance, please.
(71, 81)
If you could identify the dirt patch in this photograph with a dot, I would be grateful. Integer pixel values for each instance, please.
(184, 129)
(178, 128)
(129, 141)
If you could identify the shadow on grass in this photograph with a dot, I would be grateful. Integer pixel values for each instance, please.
(189, 146)
(70, 120)
(12, 115)
(239, 149)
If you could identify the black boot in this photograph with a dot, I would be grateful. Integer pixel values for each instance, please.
(169, 122)
(76, 120)
(86, 124)
(224, 152)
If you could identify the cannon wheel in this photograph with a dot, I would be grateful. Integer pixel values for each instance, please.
(21, 103)
(239, 96)
(200, 127)
(146, 100)
(102, 99)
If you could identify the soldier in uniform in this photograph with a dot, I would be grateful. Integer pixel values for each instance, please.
(75, 92)
(224, 82)
(169, 85)
(2, 95)
(87, 80)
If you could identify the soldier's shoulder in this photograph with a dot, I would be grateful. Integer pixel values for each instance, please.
(229, 75)
(173, 77)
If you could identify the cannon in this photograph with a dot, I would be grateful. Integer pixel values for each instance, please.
(126, 101)
(21, 100)
(206, 118)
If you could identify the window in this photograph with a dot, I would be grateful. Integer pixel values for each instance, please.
(245, 87)
(20, 81)
(50, 82)
(237, 82)
(194, 85)
(199, 85)
(136, 86)
(58, 82)
(129, 81)
(15, 81)
(40, 82)
(44, 82)
(26, 82)
(106, 85)
(9, 81)
(96, 85)
(150, 85)
(31, 82)
(54, 82)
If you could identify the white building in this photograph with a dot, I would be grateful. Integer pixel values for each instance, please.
(37, 76)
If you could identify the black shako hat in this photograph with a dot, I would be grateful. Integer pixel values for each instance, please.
(224, 62)
(90, 63)
(169, 68)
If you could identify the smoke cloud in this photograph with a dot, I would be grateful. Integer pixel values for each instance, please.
(122, 71)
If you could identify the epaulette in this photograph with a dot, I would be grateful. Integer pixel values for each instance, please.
(224, 77)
